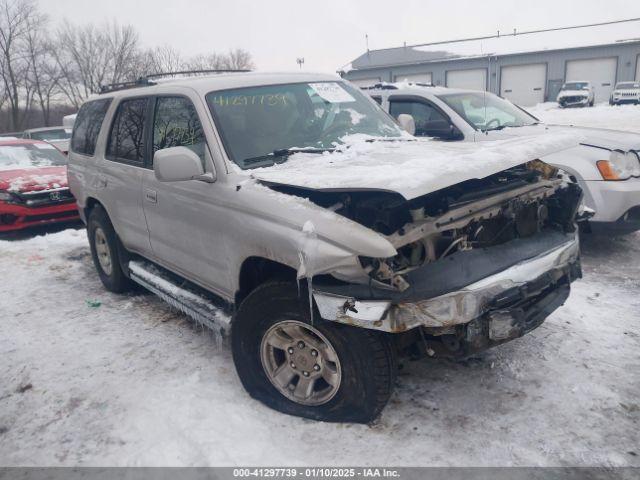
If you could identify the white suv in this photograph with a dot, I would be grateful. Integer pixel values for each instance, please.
(625, 92)
(606, 163)
(576, 94)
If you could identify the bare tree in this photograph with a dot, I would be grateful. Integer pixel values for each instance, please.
(82, 56)
(239, 59)
(43, 74)
(164, 59)
(16, 18)
(122, 42)
(212, 61)
(39, 72)
(91, 56)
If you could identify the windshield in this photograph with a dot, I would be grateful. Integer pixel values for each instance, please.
(47, 135)
(30, 155)
(575, 86)
(485, 111)
(262, 125)
(628, 85)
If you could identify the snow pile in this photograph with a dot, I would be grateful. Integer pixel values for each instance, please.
(412, 168)
(623, 117)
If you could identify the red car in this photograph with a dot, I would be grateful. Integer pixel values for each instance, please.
(33, 185)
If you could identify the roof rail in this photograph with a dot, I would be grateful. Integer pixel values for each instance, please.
(146, 81)
(195, 72)
(380, 86)
(114, 87)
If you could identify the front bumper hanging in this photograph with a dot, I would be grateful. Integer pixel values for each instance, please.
(509, 278)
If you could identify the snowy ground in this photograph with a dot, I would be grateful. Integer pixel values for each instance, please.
(92, 378)
(129, 382)
(602, 115)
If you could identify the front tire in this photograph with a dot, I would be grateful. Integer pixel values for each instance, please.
(106, 251)
(309, 368)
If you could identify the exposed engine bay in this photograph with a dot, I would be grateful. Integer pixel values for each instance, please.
(515, 203)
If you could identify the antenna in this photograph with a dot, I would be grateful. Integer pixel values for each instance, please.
(484, 91)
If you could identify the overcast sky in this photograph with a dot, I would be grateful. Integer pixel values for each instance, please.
(327, 33)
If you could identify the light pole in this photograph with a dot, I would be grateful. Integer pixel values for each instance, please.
(300, 61)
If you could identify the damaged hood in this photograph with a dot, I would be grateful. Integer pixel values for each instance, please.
(409, 167)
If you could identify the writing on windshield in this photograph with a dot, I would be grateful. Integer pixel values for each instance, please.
(262, 125)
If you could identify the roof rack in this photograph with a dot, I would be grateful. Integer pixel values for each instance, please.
(380, 86)
(145, 81)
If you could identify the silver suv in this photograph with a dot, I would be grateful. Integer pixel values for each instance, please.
(291, 213)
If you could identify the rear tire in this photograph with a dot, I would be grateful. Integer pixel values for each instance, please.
(365, 363)
(106, 251)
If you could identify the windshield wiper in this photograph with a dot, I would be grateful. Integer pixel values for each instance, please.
(502, 127)
(283, 153)
(499, 127)
(390, 139)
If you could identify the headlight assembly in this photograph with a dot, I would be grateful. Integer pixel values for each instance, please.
(620, 166)
(634, 162)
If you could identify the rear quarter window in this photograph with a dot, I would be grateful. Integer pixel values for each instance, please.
(87, 126)
(127, 137)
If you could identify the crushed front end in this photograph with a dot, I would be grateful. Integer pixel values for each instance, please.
(478, 263)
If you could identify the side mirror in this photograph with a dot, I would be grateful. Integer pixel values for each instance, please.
(407, 123)
(177, 164)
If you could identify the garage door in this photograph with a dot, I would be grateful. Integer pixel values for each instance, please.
(601, 72)
(523, 84)
(475, 79)
(414, 77)
(365, 82)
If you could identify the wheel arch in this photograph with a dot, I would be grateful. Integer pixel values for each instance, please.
(90, 204)
(255, 270)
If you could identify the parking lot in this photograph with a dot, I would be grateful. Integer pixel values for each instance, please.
(92, 378)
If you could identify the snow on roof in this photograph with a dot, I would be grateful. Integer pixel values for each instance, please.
(505, 44)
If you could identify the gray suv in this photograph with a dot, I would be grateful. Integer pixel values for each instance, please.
(289, 212)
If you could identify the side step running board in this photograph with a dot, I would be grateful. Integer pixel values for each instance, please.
(196, 306)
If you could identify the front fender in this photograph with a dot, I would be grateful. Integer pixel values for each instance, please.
(297, 233)
(579, 161)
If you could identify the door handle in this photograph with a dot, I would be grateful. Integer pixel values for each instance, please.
(151, 196)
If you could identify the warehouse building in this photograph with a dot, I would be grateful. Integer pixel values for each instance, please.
(525, 67)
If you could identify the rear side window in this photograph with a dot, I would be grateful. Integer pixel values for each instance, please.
(126, 140)
(87, 126)
(176, 124)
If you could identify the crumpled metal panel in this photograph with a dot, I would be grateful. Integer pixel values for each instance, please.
(451, 309)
